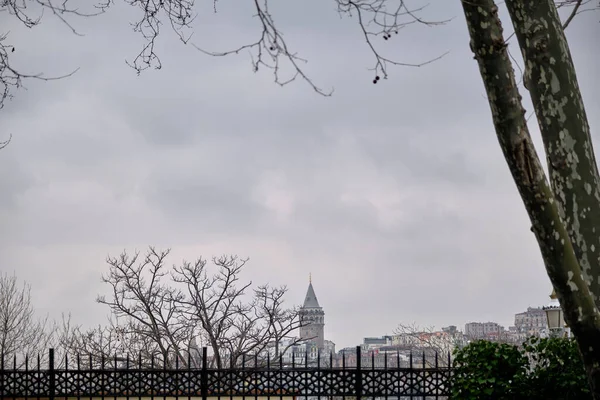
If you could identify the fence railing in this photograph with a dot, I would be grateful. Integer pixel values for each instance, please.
(124, 378)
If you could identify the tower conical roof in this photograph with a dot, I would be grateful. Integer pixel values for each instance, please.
(310, 301)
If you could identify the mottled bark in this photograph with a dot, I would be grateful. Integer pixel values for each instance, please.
(552, 82)
(508, 114)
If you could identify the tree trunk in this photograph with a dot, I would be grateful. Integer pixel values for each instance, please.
(551, 80)
(552, 83)
(560, 259)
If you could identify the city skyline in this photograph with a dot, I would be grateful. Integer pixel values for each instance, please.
(504, 323)
(353, 341)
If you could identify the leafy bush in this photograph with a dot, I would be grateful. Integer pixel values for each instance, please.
(488, 370)
(549, 369)
(556, 371)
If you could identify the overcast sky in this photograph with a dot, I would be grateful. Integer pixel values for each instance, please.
(395, 196)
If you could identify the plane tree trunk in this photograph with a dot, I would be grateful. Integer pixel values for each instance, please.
(556, 221)
(551, 80)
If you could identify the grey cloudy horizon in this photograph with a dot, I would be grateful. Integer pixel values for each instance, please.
(395, 196)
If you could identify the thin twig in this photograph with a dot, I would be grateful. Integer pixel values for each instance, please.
(573, 14)
(6, 142)
(12, 78)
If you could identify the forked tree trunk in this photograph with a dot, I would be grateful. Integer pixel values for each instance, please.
(551, 80)
(560, 258)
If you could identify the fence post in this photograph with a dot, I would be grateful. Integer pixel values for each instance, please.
(204, 375)
(449, 376)
(52, 375)
(413, 387)
(358, 373)
(3, 389)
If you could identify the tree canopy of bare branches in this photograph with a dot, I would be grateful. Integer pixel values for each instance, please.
(161, 312)
(429, 340)
(22, 335)
(104, 345)
(144, 306)
(231, 325)
(268, 51)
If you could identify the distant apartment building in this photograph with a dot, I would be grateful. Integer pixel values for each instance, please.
(403, 349)
(451, 330)
(483, 330)
(531, 322)
(371, 343)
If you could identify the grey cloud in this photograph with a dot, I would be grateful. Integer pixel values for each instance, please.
(403, 151)
(14, 180)
(211, 207)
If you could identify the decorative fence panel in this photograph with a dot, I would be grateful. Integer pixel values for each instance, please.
(124, 381)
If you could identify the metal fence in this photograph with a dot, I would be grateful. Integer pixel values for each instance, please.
(124, 379)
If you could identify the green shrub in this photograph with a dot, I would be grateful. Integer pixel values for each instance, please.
(557, 371)
(548, 369)
(488, 370)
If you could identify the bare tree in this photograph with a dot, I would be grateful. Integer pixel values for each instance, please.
(89, 347)
(160, 314)
(233, 326)
(22, 335)
(109, 345)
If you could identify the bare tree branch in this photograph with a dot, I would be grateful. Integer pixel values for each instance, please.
(579, 6)
(269, 49)
(112, 344)
(233, 326)
(25, 11)
(376, 18)
(213, 302)
(178, 13)
(385, 20)
(147, 306)
(6, 142)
